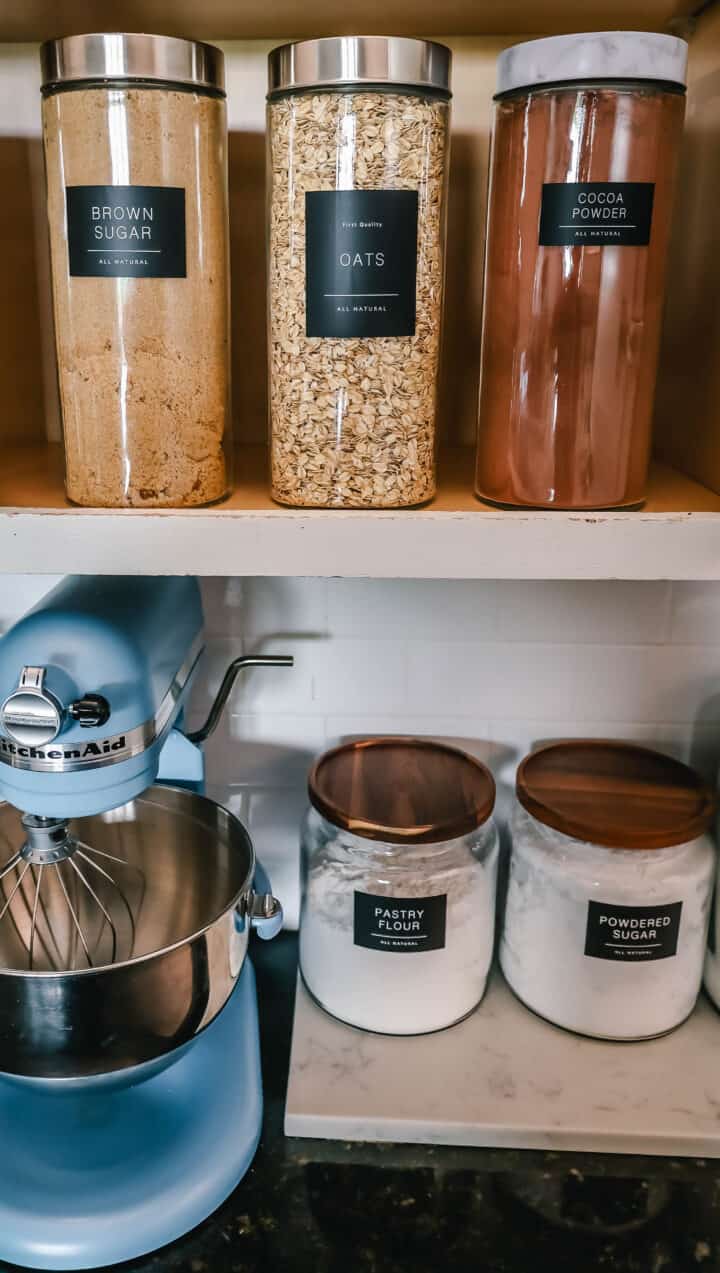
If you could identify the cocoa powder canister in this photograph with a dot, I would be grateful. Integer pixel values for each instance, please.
(135, 138)
(585, 142)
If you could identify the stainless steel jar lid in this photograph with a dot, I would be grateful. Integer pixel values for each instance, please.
(123, 56)
(359, 59)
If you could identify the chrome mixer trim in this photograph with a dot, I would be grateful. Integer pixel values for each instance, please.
(97, 753)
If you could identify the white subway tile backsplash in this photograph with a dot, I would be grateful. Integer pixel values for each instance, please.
(412, 609)
(276, 607)
(695, 614)
(223, 607)
(613, 612)
(630, 683)
(361, 676)
(274, 751)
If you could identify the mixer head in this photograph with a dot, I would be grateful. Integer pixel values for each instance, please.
(92, 682)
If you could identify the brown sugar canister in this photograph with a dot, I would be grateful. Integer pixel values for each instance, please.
(135, 136)
(586, 136)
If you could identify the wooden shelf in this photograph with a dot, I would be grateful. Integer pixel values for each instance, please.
(251, 19)
(675, 536)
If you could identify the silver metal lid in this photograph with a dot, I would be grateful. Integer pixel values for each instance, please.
(359, 59)
(122, 56)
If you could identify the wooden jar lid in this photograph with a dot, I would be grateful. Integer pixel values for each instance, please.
(402, 790)
(615, 794)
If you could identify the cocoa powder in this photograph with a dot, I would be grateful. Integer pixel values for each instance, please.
(571, 333)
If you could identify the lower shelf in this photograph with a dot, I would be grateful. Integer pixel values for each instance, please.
(675, 536)
(506, 1079)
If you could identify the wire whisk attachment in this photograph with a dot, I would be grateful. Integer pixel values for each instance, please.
(71, 905)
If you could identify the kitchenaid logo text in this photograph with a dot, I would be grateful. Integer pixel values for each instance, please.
(89, 751)
(126, 231)
(596, 213)
(399, 923)
(632, 933)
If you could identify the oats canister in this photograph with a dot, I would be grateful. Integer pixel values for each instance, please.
(399, 868)
(357, 182)
(135, 136)
(609, 891)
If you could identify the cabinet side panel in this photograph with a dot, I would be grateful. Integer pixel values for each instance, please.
(688, 395)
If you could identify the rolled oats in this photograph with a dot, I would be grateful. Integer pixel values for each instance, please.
(353, 415)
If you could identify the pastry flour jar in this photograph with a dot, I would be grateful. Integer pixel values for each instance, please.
(399, 860)
(609, 891)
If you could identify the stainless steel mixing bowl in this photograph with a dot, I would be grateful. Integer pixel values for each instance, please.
(182, 869)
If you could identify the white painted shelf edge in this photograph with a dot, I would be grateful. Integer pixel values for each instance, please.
(407, 544)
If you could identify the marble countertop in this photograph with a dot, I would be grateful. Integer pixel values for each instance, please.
(335, 1207)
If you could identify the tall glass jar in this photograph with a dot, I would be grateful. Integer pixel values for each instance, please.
(357, 173)
(135, 138)
(585, 145)
(399, 867)
(608, 898)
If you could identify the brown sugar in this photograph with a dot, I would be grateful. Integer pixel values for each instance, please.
(143, 361)
(571, 333)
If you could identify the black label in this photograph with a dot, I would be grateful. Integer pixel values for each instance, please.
(632, 933)
(126, 231)
(400, 923)
(596, 213)
(360, 262)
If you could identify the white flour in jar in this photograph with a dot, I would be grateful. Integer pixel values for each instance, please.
(566, 897)
(399, 991)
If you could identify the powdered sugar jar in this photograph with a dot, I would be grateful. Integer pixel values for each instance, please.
(399, 858)
(609, 892)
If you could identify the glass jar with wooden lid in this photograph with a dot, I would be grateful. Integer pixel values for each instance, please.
(609, 892)
(399, 865)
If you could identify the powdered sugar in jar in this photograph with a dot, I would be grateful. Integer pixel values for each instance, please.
(399, 881)
(609, 891)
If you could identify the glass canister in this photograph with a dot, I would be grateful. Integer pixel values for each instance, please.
(399, 863)
(357, 182)
(586, 137)
(609, 892)
(135, 138)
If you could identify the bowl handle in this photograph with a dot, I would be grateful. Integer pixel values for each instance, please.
(263, 910)
(266, 914)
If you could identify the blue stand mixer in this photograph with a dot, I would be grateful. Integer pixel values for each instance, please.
(130, 1085)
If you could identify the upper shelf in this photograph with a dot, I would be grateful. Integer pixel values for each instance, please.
(675, 536)
(252, 19)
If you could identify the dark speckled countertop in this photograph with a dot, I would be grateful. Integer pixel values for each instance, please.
(331, 1207)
